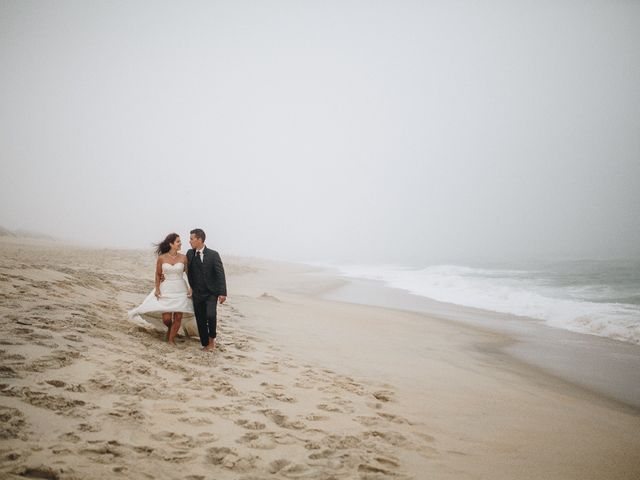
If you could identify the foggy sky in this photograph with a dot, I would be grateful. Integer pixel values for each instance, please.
(359, 131)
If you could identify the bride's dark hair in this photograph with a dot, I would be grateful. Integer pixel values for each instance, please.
(165, 245)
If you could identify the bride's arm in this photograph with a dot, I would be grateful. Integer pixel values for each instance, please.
(185, 275)
(158, 275)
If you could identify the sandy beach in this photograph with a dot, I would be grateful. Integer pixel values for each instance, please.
(301, 386)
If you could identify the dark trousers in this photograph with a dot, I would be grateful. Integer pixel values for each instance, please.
(204, 308)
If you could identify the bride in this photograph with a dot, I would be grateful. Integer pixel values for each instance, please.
(170, 301)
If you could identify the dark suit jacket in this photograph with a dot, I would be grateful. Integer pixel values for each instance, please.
(213, 271)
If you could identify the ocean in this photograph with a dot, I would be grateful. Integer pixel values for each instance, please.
(597, 297)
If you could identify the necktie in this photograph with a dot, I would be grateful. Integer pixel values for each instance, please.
(199, 255)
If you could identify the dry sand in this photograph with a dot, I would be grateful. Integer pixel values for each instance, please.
(299, 387)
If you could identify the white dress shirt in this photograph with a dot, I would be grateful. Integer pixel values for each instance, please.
(201, 251)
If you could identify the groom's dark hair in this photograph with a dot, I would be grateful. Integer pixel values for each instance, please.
(199, 233)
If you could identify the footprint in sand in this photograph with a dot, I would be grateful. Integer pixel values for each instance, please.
(236, 358)
(30, 334)
(242, 345)
(425, 437)
(59, 404)
(224, 387)
(127, 412)
(342, 442)
(392, 438)
(12, 423)
(388, 462)
(225, 411)
(295, 470)
(367, 469)
(87, 427)
(110, 384)
(394, 418)
(313, 378)
(273, 366)
(11, 357)
(195, 421)
(369, 421)
(282, 420)
(56, 383)
(103, 452)
(173, 411)
(72, 337)
(276, 392)
(340, 385)
(333, 408)
(75, 388)
(230, 459)
(337, 405)
(258, 441)
(252, 400)
(69, 437)
(277, 465)
(60, 450)
(316, 418)
(8, 372)
(383, 395)
(40, 471)
(56, 359)
(350, 456)
(177, 456)
(237, 372)
(11, 456)
(178, 439)
(266, 440)
(250, 424)
(268, 296)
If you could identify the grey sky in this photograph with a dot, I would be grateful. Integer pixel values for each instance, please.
(365, 131)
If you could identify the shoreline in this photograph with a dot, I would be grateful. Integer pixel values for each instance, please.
(588, 361)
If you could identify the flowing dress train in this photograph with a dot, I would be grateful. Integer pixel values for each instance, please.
(173, 298)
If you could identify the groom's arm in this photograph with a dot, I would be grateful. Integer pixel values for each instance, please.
(220, 277)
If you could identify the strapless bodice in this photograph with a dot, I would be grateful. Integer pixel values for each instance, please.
(173, 272)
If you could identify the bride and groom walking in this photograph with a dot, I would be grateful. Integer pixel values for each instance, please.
(186, 285)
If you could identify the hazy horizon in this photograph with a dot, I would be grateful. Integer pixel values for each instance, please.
(363, 132)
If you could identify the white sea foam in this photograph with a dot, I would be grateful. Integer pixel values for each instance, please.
(518, 292)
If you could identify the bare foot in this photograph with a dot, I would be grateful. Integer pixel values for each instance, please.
(211, 346)
(168, 330)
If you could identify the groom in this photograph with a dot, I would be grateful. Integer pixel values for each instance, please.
(206, 277)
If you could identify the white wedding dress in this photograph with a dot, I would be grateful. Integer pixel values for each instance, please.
(173, 298)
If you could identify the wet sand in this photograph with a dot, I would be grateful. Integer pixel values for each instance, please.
(605, 366)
